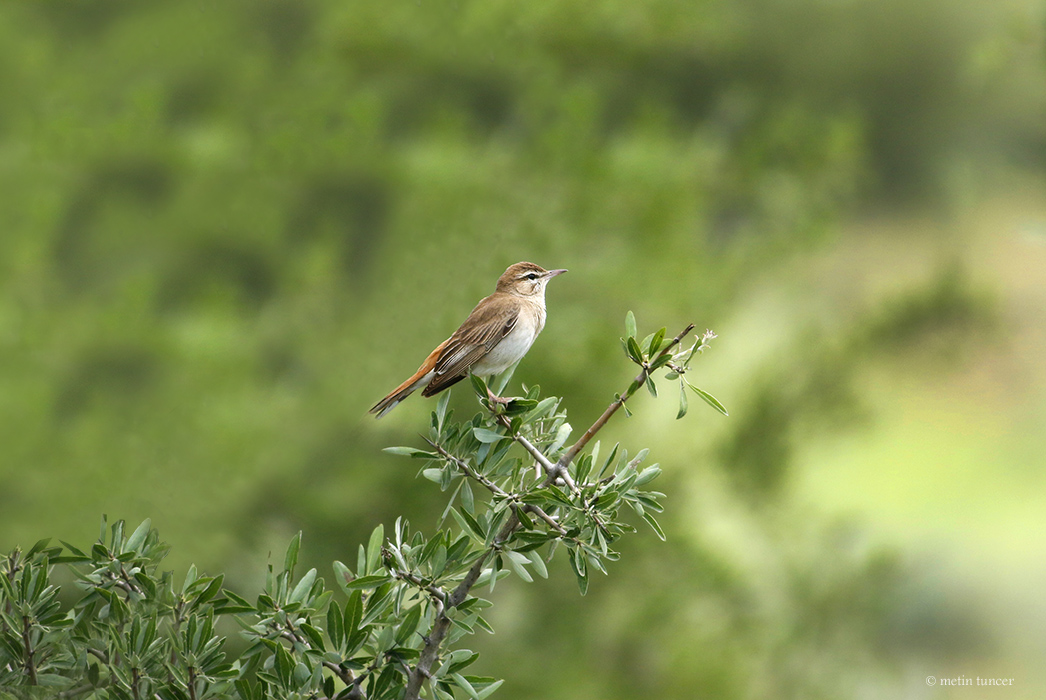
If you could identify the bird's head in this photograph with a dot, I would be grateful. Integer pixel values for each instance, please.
(526, 279)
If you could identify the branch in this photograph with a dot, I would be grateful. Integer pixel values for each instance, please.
(30, 665)
(617, 403)
(430, 652)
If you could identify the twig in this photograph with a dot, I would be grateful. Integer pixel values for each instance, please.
(30, 664)
(467, 470)
(430, 652)
(433, 590)
(344, 674)
(617, 403)
(538, 455)
(547, 518)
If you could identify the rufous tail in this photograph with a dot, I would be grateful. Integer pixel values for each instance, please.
(420, 378)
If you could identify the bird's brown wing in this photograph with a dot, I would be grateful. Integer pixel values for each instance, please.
(485, 327)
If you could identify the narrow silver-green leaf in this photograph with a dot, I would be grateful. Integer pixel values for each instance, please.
(303, 587)
(465, 685)
(654, 525)
(709, 399)
(137, 537)
(630, 325)
(655, 343)
(538, 563)
(517, 561)
(377, 539)
(484, 435)
(489, 690)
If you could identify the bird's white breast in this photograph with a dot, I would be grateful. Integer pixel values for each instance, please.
(513, 346)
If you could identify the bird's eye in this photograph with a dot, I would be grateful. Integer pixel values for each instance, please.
(531, 275)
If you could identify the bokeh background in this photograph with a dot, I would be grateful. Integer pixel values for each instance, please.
(226, 229)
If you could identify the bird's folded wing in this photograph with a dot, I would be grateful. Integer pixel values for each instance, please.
(484, 329)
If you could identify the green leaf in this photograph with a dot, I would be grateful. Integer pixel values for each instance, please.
(303, 587)
(232, 604)
(683, 403)
(190, 578)
(438, 562)
(75, 552)
(377, 539)
(651, 387)
(577, 563)
(660, 361)
(469, 524)
(284, 665)
(561, 438)
(468, 501)
(314, 635)
(465, 685)
(378, 603)
(342, 574)
(518, 406)
(433, 474)
(647, 475)
(137, 537)
(38, 547)
(489, 690)
(353, 613)
(486, 436)
(709, 399)
(478, 385)
(504, 379)
(365, 582)
(53, 680)
(543, 407)
(655, 342)
(538, 563)
(335, 624)
(441, 409)
(291, 559)
(654, 525)
(633, 351)
(517, 561)
(458, 660)
(212, 589)
(410, 452)
(630, 325)
(408, 626)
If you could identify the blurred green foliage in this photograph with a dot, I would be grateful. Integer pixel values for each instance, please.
(227, 228)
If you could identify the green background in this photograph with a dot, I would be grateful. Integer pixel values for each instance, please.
(227, 229)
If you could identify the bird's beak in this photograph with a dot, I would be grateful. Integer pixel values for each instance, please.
(553, 273)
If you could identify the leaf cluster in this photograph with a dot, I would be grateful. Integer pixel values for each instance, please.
(393, 625)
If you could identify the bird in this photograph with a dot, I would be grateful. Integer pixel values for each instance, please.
(495, 336)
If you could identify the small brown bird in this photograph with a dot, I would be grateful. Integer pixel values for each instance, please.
(495, 336)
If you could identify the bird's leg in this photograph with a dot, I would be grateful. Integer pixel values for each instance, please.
(495, 399)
